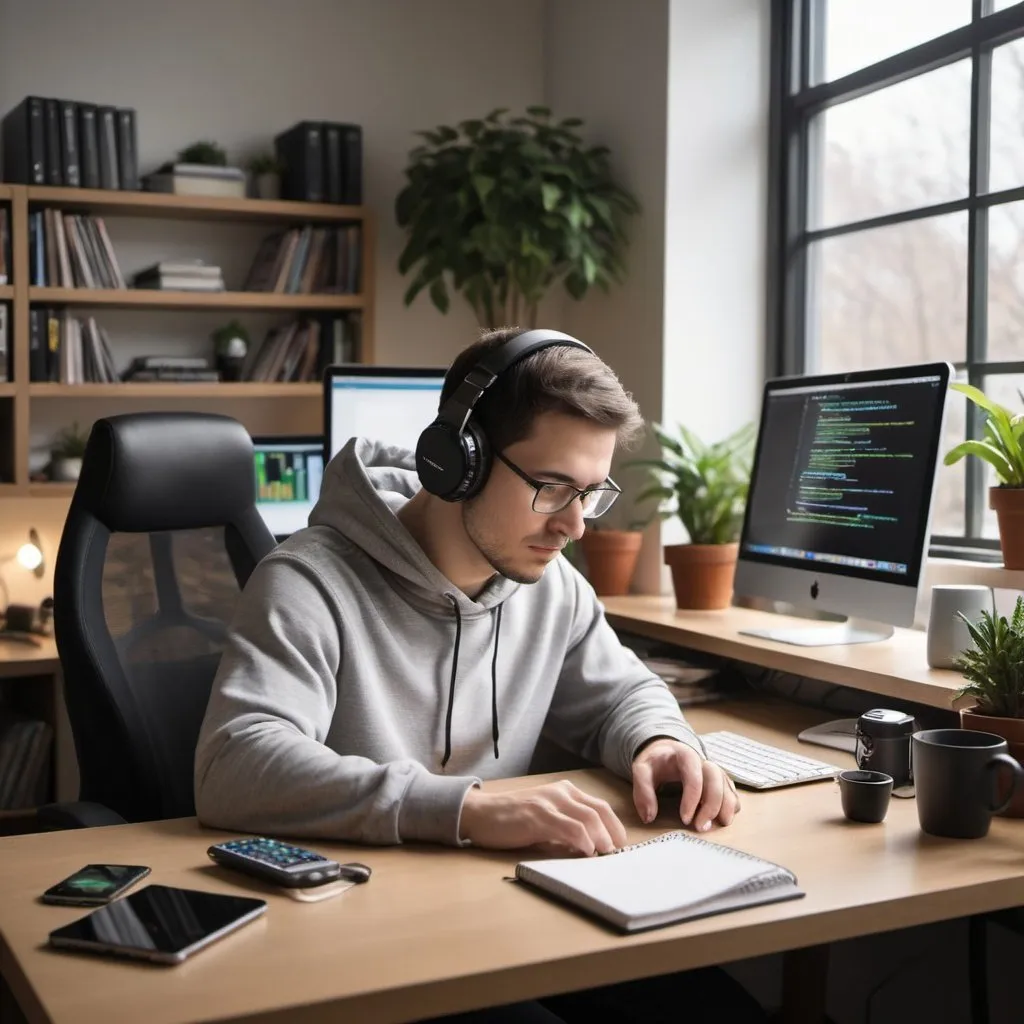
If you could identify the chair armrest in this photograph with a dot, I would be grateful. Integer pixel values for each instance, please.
(77, 814)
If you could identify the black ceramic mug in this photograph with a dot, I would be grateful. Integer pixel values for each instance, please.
(956, 772)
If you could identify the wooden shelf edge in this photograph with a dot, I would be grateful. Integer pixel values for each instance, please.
(44, 489)
(18, 813)
(178, 389)
(162, 204)
(137, 298)
(6, 292)
(8, 390)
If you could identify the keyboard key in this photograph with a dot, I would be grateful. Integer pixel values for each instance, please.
(760, 766)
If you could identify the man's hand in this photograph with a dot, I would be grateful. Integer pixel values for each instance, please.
(708, 793)
(558, 813)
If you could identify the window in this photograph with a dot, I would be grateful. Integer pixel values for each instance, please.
(896, 221)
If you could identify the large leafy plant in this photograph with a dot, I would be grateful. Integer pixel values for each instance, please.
(500, 209)
(705, 485)
(1003, 444)
(994, 665)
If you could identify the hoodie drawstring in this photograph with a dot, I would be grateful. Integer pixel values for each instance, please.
(451, 683)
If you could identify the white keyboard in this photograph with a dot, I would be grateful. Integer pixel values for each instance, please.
(759, 766)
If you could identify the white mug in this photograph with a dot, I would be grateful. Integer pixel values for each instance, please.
(947, 633)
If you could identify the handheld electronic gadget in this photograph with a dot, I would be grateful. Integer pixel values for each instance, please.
(284, 864)
(158, 923)
(453, 458)
(95, 884)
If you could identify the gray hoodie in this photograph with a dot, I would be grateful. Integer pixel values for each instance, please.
(361, 694)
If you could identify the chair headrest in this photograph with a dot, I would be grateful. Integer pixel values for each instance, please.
(154, 471)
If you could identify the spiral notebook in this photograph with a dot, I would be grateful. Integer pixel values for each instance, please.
(674, 877)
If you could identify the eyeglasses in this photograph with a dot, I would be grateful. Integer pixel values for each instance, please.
(550, 498)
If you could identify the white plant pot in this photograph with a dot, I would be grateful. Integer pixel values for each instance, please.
(65, 470)
(268, 186)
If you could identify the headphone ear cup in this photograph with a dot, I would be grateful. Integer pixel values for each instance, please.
(477, 453)
(441, 461)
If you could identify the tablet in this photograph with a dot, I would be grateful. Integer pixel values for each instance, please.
(158, 923)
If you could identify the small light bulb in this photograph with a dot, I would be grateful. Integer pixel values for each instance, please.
(29, 556)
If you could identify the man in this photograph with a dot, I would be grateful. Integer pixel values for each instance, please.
(404, 647)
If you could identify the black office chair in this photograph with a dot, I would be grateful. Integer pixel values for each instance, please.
(161, 536)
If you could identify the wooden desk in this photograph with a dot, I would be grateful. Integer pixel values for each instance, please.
(439, 931)
(891, 668)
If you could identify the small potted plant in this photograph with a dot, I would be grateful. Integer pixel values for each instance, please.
(66, 454)
(265, 171)
(610, 555)
(204, 152)
(705, 487)
(230, 347)
(1002, 448)
(993, 667)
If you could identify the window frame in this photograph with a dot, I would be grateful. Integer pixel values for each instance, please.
(796, 50)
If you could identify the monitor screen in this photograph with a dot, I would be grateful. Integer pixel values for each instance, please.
(841, 486)
(288, 473)
(389, 404)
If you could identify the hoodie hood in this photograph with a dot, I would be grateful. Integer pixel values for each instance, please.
(364, 487)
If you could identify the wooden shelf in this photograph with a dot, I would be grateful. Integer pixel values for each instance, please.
(160, 204)
(8, 390)
(139, 298)
(6, 292)
(177, 389)
(45, 489)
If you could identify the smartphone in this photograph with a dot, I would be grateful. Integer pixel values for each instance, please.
(158, 923)
(95, 884)
(284, 864)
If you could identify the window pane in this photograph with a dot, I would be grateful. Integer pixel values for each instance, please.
(948, 511)
(1006, 149)
(889, 296)
(862, 32)
(1006, 282)
(895, 149)
(1005, 389)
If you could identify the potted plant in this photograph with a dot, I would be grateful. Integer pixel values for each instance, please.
(993, 667)
(499, 209)
(610, 556)
(265, 170)
(1002, 447)
(705, 486)
(66, 454)
(204, 152)
(230, 347)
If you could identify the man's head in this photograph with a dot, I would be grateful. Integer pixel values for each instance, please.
(555, 417)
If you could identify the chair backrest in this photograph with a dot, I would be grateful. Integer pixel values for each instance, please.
(161, 536)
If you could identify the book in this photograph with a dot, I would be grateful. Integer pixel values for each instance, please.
(674, 877)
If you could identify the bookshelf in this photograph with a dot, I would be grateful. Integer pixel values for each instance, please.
(19, 397)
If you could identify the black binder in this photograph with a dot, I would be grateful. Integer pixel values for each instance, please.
(127, 151)
(24, 143)
(54, 158)
(69, 143)
(88, 145)
(106, 131)
(300, 150)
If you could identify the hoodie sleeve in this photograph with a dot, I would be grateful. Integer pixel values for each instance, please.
(607, 703)
(261, 761)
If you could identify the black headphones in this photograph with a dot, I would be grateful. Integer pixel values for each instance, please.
(453, 457)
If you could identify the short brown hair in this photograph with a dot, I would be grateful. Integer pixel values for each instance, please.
(556, 379)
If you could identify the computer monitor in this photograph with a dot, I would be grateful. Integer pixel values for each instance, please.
(288, 474)
(385, 403)
(837, 517)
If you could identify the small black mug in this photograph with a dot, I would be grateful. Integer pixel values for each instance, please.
(956, 776)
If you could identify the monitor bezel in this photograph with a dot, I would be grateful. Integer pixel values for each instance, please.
(271, 440)
(366, 370)
(911, 580)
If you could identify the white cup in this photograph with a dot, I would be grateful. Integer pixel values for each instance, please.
(947, 633)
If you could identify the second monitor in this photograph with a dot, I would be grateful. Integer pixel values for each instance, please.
(384, 403)
(838, 512)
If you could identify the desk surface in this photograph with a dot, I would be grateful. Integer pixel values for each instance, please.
(891, 668)
(439, 931)
(18, 658)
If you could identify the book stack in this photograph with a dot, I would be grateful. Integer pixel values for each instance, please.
(164, 368)
(300, 350)
(68, 250)
(64, 349)
(24, 760)
(5, 246)
(181, 275)
(308, 260)
(5, 344)
(197, 180)
(63, 142)
(322, 161)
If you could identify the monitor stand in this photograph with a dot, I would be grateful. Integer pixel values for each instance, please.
(852, 631)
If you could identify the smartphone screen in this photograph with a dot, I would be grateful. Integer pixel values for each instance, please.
(95, 884)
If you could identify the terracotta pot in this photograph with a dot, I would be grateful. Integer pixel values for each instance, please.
(702, 574)
(1008, 503)
(1011, 730)
(611, 559)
